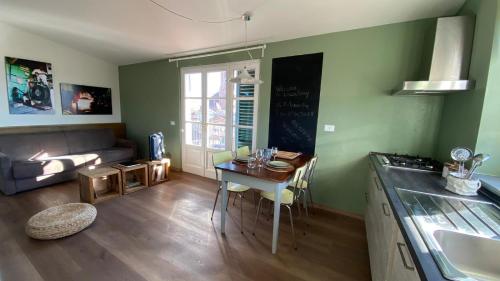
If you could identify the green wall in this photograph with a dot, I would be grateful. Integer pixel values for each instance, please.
(360, 69)
(488, 140)
(471, 119)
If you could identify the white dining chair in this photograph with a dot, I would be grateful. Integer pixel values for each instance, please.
(232, 188)
(288, 198)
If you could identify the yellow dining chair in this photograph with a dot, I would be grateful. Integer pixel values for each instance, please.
(288, 198)
(243, 151)
(305, 184)
(237, 189)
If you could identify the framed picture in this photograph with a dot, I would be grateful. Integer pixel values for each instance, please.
(80, 99)
(30, 87)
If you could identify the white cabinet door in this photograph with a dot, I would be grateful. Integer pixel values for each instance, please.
(374, 233)
(402, 268)
(380, 228)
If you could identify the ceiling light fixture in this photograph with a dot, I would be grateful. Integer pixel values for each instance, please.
(244, 76)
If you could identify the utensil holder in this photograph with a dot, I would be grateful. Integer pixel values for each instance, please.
(462, 186)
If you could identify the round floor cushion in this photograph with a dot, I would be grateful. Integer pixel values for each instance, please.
(60, 221)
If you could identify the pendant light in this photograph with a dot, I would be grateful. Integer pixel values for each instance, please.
(244, 76)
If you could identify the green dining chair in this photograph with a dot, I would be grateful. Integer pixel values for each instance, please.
(288, 198)
(237, 189)
(305, 184)
(243, 151)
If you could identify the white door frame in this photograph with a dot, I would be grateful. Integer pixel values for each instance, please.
(205, 159)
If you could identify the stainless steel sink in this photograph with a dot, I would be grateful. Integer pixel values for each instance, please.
(476, 257)
(462, 235)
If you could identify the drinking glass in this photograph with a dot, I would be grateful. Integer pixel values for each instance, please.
(251, 162)
(259, 155)
(274, 151)
(267, 155)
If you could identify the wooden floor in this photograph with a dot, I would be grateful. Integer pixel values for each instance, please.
(165, 233)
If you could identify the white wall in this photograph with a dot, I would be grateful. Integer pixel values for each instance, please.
(68, 65)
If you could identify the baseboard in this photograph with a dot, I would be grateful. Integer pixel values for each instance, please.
(175, 169)
(338, 212)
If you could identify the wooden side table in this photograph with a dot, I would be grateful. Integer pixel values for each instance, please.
(158, 170)
(134, 178)
(99, 184)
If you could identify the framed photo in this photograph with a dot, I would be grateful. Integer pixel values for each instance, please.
(30, 87)
(84, 100)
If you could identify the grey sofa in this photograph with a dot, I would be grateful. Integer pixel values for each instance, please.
(29, 161)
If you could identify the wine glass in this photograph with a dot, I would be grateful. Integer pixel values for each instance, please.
(259, 154)
(251, 162)
(274, 151)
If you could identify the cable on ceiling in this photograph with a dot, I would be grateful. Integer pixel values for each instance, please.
(192, 19)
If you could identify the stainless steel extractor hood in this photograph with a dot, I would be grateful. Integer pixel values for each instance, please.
(449, 69)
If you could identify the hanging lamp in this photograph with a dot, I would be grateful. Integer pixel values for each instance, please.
(244, 76)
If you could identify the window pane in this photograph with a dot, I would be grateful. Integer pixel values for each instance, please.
(243, 112)
(192, 85)
(242, 137)
(245, 90)
(216, 137)
(216, 84)
(193, 110)
(193, 134)
(216, 111)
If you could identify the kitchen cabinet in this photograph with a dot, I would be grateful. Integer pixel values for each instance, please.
(402, 267)
(385, 242)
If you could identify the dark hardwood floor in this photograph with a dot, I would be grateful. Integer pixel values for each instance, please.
(165, 233)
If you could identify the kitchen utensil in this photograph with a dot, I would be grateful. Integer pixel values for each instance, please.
(456, 184)
(461, 154)
(478, 160)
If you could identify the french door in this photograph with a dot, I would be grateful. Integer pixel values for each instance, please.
(216, 115)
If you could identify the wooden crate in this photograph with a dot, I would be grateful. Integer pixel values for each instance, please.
(158, 170)
(133, 178)
(99, 184)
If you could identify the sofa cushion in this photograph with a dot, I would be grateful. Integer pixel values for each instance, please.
(23, 169)
(114, 154)
(89, 140)
(33, 146)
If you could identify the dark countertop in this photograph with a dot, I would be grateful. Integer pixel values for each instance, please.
(418, 181)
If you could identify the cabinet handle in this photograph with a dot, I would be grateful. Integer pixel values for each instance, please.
(405, 263)
(366, 197)
(385, 210)
(376, 183)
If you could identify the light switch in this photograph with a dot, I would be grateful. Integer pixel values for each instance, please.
(329, 128)
(172, 123)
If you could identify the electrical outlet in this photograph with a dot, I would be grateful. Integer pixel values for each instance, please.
(329, 128)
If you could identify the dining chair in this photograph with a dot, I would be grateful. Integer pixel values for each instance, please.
(243, 151)
(288, 198)
(237, 189)
(305, 184)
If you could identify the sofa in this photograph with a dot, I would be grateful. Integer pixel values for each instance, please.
(29, 161)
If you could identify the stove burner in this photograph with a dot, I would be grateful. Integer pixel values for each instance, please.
(412, 162)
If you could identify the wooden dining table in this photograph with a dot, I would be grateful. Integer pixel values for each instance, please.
(262, 179)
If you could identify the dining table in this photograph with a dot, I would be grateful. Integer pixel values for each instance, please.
(260, 178)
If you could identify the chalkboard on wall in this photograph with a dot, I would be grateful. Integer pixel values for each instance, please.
(295, 91)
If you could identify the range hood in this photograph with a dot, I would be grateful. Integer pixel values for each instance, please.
(449, 69)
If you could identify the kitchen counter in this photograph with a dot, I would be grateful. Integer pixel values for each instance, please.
(418, 181)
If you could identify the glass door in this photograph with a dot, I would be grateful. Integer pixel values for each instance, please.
(192, 137)
(217, 138)
(216, 115)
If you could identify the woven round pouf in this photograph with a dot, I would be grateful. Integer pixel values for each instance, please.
(60, 221)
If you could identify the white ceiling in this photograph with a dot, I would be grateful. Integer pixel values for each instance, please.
(129, 31)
